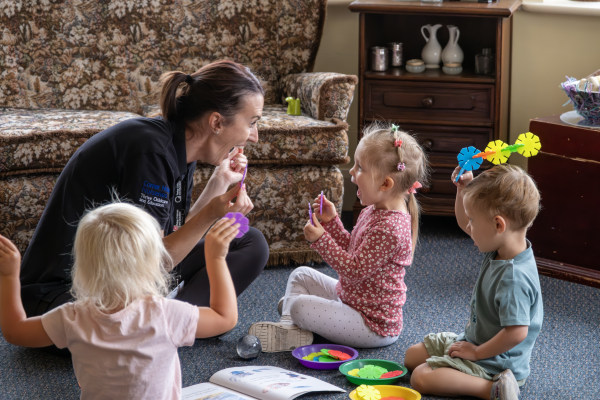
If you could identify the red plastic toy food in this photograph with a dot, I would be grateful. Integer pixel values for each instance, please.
(390, 374)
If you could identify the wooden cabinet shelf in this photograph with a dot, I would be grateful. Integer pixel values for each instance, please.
(445, 112)
(429, 76)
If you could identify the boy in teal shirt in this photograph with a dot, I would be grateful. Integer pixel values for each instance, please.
(490, 359)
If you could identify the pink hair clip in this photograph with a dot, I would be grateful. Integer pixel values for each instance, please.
(397, 143)
(414, 187)
(401, 166)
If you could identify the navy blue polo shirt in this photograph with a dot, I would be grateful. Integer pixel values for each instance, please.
(142, 160)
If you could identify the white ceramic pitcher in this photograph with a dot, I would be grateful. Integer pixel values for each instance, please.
(452, 52)
(432, 51)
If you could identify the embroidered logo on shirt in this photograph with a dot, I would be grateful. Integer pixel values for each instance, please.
(154, 195)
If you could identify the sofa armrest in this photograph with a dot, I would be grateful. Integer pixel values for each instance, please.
(323, 95)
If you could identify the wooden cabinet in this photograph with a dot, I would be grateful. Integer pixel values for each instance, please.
(445, 112)
(567, 172)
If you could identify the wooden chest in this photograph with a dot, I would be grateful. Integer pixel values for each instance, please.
(567, 171)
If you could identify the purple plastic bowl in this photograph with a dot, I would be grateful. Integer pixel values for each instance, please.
(303, 351)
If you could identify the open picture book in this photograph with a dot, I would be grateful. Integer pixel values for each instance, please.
(256, 382)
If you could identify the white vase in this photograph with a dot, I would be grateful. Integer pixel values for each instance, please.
(432, 52)
(452, 52)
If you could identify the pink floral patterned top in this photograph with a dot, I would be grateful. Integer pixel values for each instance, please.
(370, 264)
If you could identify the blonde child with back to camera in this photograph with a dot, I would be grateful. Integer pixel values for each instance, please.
(490, 359)
(121, 330)
(364, 307)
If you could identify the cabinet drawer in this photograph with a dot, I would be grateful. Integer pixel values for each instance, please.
(467, 104)
(443, 143)
(440, 182)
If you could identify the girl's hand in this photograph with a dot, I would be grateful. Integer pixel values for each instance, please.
(314, 232)
(464, 180)
(218, 238)
(232, 168)
(329, 210)
(10, 258)
(463, 349)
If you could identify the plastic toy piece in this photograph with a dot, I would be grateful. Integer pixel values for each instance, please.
(312, 356)
(367, 392)
(466, 160)
(497, 152)
(240, 219)
(531, 144)
(392, 398)
(293, 106)
(353, 372)
(513, 147)
(498, 156)
(321, 206)
(340, 355)
(484, 154)
(244, 176)
(310, 217)
(390, 374)
(326, 359)
(370, 371)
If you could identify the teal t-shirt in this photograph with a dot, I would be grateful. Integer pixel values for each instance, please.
(507, 293)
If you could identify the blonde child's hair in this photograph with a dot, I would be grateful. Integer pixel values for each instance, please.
(405, 164)
(508, 191)
(119, 257)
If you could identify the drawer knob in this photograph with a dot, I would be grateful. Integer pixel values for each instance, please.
(428, 144)
(427, 102)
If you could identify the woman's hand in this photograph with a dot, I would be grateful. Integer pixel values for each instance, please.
(221, 205)
(10, 258)
(464, 180)
(219, 237)
(329, 210)
(232, 168)
(313, 232)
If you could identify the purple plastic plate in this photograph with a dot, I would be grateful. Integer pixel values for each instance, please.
(303, 351)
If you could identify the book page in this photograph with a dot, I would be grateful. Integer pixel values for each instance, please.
(209, 391)
(270, 383)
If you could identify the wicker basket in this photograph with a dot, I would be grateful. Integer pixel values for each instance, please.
(585, 100)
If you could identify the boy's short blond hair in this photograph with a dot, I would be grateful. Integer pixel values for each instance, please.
(508, 191)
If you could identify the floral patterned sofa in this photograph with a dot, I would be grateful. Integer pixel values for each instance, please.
(69, 69)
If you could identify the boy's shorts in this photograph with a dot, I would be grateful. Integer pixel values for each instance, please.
(437, 345)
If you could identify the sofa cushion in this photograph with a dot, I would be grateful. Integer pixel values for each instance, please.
(33, 141)
(280, 195)
(287, 139)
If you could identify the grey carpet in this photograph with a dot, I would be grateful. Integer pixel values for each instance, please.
(565, 361)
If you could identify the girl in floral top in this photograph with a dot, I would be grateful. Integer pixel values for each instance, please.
(364, 307)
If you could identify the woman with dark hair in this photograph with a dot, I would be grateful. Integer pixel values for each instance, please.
(207, 116)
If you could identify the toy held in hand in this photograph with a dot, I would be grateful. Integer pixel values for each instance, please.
(240, 219)
(310, 213)
(497, 152)
(244, 176)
